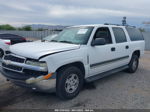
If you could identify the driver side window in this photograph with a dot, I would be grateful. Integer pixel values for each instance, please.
(103, 33)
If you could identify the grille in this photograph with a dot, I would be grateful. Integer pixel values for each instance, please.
(33, 72)
(14, 58)
(16, 68)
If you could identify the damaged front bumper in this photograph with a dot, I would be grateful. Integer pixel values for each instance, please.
(48, 85)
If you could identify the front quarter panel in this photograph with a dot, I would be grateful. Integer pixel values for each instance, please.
(55, 61)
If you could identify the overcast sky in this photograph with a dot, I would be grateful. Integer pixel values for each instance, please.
(73, 12)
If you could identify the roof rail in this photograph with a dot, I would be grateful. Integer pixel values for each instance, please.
(112, 24)
(120, 25)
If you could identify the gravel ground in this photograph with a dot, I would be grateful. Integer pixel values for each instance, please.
(118, 91)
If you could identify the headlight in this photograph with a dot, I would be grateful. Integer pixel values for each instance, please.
(36, 63)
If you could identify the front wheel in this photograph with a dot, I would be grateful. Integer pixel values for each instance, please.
(69, 82)
(133, 65)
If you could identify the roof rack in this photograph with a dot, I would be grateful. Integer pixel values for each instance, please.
(120, 25)
(112, 24)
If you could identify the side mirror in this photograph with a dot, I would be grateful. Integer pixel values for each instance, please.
(98, 41)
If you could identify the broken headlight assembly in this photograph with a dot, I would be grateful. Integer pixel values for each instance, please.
(36, 63)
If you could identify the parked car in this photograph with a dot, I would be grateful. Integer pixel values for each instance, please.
(7, 39)
(77, 54)
(13, 38)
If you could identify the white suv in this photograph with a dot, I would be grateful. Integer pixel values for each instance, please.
(77, 54)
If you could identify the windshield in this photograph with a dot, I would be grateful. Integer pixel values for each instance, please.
(50, 37)
(73, 35)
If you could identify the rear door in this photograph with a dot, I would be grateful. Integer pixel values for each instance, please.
(137, 40)
(122, 47)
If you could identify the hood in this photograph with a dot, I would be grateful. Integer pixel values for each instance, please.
(35, 50)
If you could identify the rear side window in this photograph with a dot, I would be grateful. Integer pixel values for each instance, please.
(119, 34)
(134, 34)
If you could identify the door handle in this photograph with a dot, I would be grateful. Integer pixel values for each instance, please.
(127, 47)
(113, 49)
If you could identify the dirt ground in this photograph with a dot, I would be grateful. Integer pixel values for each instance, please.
(119, 91)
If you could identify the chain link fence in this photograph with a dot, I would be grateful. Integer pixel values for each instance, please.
(32, 34)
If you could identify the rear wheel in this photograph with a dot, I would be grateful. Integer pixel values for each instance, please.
(133, 65)
(69, 82)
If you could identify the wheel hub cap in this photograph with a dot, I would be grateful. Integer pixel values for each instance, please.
(71, 83)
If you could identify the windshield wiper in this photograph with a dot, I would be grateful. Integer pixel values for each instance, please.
(64, 41)
(53, 41)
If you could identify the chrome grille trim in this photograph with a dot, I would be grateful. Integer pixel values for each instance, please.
(23, 65)
(15, 56)
(12, 70)
(10, 61)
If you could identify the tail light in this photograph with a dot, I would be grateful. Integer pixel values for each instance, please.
(24, 39)
(8, 43)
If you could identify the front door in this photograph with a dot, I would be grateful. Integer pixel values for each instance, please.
(102, 58)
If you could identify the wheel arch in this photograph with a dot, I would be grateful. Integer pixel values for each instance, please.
(78, 64)
(137, 52)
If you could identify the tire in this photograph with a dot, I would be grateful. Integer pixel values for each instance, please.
(69, 82)
(1, 53)
(133, 65)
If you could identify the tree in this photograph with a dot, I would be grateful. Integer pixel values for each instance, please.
(7, 27)
(27, 28)
(20, 29)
